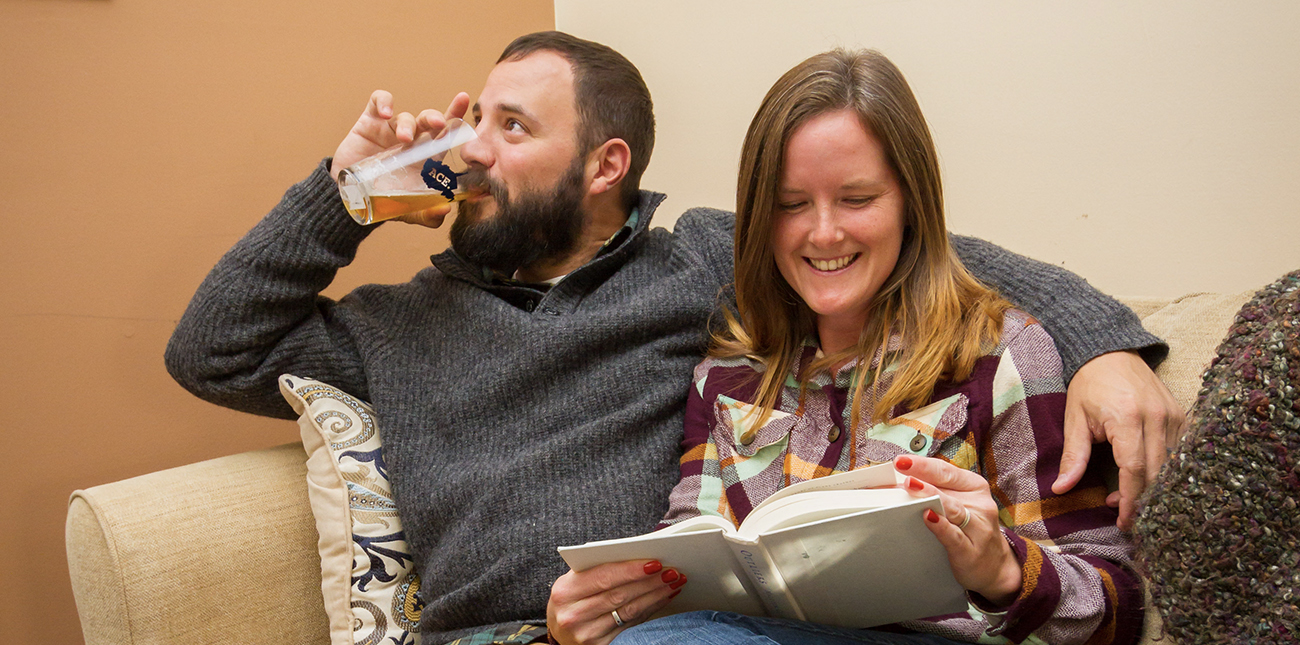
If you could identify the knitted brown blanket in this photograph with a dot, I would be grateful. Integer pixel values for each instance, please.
(1219, 538)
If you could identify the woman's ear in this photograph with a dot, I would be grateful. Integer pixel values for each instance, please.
(607, 165)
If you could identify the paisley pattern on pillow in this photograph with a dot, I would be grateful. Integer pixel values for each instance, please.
(367, 572)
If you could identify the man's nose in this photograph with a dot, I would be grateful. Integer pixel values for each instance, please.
(476, 151)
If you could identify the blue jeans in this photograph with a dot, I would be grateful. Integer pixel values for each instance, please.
(725, 628)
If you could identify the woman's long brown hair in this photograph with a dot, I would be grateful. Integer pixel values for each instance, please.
(946, 318)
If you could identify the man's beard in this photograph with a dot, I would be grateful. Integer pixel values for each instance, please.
(531, 227)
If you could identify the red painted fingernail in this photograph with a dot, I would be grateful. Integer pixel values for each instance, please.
(669, 576)
(652, 567)
(680, 581)
(674, 594)
(903, 463)
(931, 516)
(915, 484)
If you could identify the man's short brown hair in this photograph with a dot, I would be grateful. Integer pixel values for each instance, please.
(611, 98)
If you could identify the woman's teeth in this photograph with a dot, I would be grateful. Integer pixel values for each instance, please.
(833, 264)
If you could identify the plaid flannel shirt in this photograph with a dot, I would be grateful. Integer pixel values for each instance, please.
(1005, 423)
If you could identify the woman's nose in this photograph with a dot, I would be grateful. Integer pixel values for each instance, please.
(826, 228)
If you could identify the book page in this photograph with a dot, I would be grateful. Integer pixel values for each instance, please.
(817, 505)
(877, 476)
(698, 523)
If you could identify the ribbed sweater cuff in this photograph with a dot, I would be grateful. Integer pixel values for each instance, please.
(316, 203)
(1102, 333)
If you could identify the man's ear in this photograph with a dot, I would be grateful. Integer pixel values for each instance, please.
(607, 165)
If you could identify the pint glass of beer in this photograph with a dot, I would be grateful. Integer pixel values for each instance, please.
(409, 178)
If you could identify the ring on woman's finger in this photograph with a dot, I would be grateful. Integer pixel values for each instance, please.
(618, 620)
(964, 520)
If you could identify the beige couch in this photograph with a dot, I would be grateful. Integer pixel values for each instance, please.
(224, 551)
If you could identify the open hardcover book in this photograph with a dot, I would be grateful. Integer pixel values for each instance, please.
(822, 550)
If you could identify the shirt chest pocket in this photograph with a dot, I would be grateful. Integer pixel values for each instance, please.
(737, 429)
(925, 431)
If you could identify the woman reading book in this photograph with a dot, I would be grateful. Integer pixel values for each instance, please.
(859, 338)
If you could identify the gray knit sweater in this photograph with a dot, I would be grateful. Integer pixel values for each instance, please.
(516, 420)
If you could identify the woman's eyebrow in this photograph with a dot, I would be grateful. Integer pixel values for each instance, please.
(866, 184)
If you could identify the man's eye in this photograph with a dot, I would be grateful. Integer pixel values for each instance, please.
(513, 125)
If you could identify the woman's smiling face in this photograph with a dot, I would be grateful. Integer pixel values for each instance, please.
(838, 225)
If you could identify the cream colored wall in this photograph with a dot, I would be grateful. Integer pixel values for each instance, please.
(139, 139)
(1152, 147)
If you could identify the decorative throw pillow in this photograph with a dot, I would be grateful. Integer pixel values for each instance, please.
(367, 573)
(1218, 536)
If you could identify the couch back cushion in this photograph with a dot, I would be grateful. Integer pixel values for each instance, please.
(1193, 325)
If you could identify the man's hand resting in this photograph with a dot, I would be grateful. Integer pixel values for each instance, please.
(1116, 398)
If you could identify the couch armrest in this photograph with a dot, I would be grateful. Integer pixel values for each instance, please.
(222, 551)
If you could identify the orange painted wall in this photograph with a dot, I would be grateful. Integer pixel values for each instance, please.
(139, 139)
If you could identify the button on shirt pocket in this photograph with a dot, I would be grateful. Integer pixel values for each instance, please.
(919, 432)
(737, 427)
